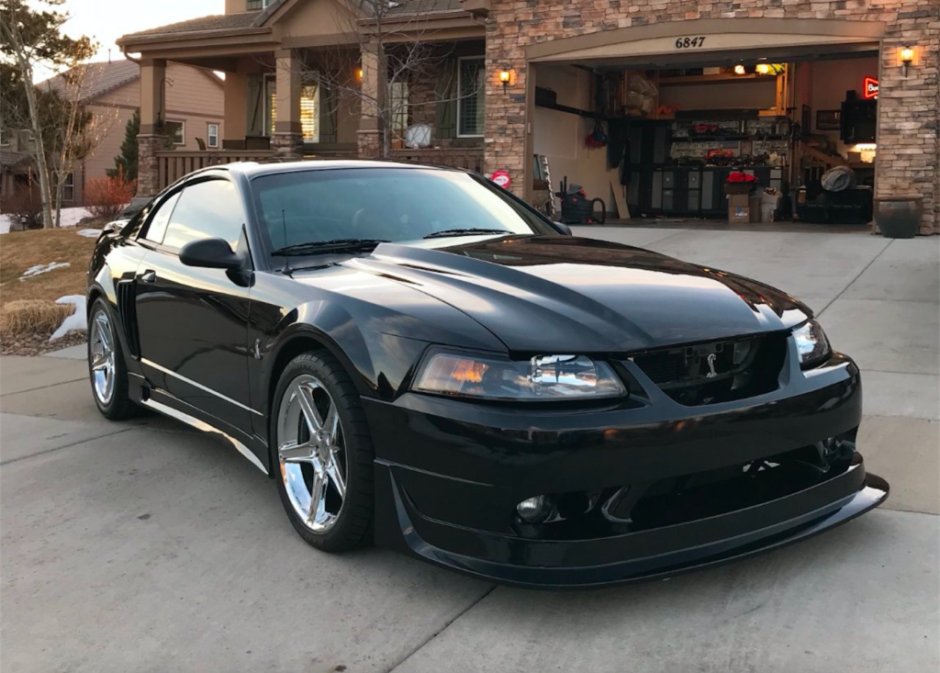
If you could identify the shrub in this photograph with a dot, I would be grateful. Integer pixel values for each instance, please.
(24, 208)
(106, 198)
(32, 316)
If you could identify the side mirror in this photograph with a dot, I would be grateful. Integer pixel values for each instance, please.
(115, 227)
(210, 253)
(563, 228)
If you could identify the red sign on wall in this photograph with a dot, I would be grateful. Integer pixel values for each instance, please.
(869, 88)
(502, 179)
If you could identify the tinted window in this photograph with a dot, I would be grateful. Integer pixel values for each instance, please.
(395, 204)
(157, 227)
(206, 210)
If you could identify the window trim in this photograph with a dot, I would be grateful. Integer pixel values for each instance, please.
(68, 188)
(218, 134)
(482, 92)
(182, 124)
(270, 120)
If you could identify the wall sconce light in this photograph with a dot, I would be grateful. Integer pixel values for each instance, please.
(505, 77)
(740, 70)
(359, 74)
(907, 57)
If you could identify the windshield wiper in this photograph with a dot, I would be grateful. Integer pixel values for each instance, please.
(446, 233)
(315, 247)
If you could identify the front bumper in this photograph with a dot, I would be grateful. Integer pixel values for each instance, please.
(449, 474)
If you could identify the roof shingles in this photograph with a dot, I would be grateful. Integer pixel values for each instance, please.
(100, 79)
(257, 19)
(201, 25)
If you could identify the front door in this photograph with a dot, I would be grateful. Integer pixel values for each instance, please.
(193, 321)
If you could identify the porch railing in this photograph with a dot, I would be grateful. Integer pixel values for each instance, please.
(456, 157)
(174, 164)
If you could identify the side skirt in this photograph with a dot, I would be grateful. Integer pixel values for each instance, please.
(164, 403)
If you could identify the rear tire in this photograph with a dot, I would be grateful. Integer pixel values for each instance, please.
(322, 450)
(107, 370)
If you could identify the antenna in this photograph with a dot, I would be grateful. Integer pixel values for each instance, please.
(286, 270)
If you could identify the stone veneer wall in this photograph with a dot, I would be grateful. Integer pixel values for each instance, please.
(909, 108)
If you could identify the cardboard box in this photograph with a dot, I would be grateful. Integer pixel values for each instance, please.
(739, 209)
(755, 207)
(743, 209)
(738, 188)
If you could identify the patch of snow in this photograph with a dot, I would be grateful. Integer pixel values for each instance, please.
(78, 321)
(90, 233)
(40, 269)
(70, 218)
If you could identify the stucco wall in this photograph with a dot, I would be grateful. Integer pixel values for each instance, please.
(192, 97)
(909, 152)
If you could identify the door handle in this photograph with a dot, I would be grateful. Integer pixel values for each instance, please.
(149, 277)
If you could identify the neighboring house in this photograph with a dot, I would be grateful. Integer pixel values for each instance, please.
(195, 118)
(516, 80)
(15, 163)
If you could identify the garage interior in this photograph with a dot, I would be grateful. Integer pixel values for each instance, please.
(656, 138)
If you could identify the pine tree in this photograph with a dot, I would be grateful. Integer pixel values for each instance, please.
(126, 162)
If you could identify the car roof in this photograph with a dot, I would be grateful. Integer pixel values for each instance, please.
(253, 169)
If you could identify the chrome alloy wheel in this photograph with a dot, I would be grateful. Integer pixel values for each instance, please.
(101, 357)
(312, 453)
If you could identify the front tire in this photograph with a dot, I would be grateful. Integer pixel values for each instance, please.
(106, 367)
(323, 450)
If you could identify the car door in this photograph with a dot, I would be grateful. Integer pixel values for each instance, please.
(192, 322)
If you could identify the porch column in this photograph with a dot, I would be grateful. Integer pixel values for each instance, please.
(374, 89)
(152, 116)
(288, 138)
(236, 109)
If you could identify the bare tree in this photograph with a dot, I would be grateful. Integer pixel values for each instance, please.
(74, 132)
(397, 42)
(31, 37)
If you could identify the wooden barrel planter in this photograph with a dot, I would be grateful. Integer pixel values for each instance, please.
(898, 216)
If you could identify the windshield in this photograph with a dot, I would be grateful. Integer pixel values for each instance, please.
(384, 204)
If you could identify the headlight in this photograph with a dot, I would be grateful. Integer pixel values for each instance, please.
(543, 378)
(812, 344)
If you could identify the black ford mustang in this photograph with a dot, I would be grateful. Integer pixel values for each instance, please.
(419, 358)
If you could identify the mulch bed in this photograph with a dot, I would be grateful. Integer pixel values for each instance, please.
(34, 344)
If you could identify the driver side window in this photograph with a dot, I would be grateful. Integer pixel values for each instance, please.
(210, 209)
(157, 227)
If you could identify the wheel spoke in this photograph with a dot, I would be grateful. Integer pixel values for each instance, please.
(305, 399)
(318, 513)
(331, 424)
(295, 453)
(336, 477)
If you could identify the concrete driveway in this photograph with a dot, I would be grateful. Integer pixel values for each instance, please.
(143, 546)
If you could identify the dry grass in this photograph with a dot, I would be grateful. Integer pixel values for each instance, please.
(28, 306)
(24, 249)
(31, 316)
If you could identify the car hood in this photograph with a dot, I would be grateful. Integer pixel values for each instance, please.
(545, 293)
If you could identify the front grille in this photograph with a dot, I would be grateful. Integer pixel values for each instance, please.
(719, 371)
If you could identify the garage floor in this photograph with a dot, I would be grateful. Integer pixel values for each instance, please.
(146, 547)
(724, 225)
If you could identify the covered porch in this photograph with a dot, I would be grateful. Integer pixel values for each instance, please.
(300, 85)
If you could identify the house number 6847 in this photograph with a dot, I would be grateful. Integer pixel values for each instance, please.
(690, 42)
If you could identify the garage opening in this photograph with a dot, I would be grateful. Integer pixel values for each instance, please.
(746, 137)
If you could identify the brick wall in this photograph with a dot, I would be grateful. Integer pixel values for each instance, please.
(908, 146)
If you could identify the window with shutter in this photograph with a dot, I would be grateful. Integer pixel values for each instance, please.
(309, 109)
(471, 85)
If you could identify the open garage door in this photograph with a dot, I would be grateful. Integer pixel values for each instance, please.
(656, 124)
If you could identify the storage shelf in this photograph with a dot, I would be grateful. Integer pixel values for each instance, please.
(691, 80)
(698, 139)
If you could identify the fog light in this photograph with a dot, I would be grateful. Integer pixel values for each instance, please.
(535, 510)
